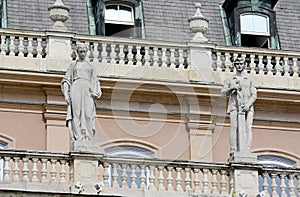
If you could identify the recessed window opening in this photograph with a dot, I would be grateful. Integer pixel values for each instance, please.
(119, 20)
(255, 30)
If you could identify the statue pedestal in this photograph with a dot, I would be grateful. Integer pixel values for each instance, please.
(85, 146)
(246, 180)
(86, 174)
(243, 157)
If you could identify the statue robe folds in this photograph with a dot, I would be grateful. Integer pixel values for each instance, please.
(81, 86)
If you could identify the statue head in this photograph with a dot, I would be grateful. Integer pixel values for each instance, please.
(239, 64)
(81, 50)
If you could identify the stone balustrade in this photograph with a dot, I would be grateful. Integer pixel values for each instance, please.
(121, 57)
(134, 52)
(280, 182)
(260, 61)
(174, 178)
(44, 171)
(23, 44)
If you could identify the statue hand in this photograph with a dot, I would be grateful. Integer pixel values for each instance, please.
(68, 101)
(245, 108)
(96, 95)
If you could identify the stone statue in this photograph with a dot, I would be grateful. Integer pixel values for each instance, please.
(81, 87)
(242, 95)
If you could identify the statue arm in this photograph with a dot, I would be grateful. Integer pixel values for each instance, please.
(253, 96)
(95, 85)
(226, 90)
(66, 84)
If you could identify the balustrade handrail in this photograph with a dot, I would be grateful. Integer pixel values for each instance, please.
(29, 153)
(22, 32)
(259, 51)
(117, 40)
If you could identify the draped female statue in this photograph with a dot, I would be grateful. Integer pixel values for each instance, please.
(81, 87)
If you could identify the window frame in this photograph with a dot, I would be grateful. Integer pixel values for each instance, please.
(118, 21)
(253, 24)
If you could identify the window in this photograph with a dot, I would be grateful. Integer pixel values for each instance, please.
(3, 15)
(131, 152)
(250, 23)
(112, 18)
(255, 30)
(2, 146)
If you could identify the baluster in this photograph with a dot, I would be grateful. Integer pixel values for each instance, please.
(113, 54)
(25, 170)
(130, 55)
(180, 58)
(30, 47)
(161, 178)
(124, 176)
(121, 54)
(260, 65)
(104, 53)
(143, 177)
(62, 172)
(243, 55)
(164, 57)
(223, 183)
(133, 177)
(235, 56)
(188, 179)
(295, 67)
(53, 170)
(227, 63)
(286, 66)
(12, 46)
(170, 179)
(292, 185)
(106, 174)
(138, 56)
(147, 56)
(39, 48)
(71, 171)
(214, 182)
(269, 65)
(3, 45)
(115, 176)
(282, 185)
(34, 169)
(21, 46)
(298, 184)
(151, 178)
(6, 169)
(178, 180)
(172, 58)
(219, 61)
(155, 57)
(274, 185)
(44, 170)
(252, 63)
(196, 181)
(231, 183)
(16, 169)
(265, 184)
(205, 181)
(95, 52)
(278, 68)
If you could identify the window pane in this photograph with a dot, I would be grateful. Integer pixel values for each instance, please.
(125, 13)
(246, 23)
(261, 24)
(254, 24)
(111, 12)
